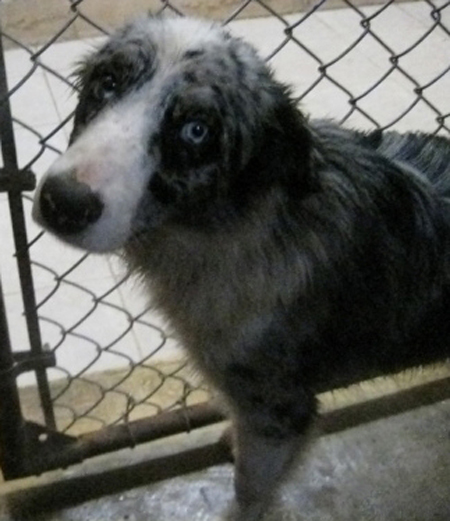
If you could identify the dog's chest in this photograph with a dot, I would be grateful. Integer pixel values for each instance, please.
(213, 302)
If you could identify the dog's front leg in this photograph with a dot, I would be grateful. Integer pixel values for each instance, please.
(272, 410)
(261, 464)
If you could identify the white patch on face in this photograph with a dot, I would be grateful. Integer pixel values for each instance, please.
(110, 156)
(175, 36)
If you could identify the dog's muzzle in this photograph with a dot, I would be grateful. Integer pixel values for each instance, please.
(67, 206)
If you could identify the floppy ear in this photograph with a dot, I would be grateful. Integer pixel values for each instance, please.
(282, 153)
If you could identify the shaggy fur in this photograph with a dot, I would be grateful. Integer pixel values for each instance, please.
(290, 256)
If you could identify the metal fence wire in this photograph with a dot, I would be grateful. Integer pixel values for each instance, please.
(88, 360)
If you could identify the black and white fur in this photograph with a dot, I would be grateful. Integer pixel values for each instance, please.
(290, 256)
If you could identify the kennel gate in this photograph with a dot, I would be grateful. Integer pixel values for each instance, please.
(54, 438)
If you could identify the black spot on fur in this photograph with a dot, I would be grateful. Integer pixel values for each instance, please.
(194, 53)
(128, 64)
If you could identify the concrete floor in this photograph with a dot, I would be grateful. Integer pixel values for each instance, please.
(395, 469)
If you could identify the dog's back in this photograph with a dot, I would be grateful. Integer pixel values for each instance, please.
(429, 155)
(388, 307)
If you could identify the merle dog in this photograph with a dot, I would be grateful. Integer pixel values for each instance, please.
(290, 256)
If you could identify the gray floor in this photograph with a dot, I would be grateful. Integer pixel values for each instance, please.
(396, 469)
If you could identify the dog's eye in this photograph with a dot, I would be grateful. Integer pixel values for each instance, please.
(106, 87)
(195, 132)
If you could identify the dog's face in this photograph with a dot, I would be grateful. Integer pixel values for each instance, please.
(168, 116)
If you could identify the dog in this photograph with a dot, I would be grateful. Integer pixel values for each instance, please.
(289, 255)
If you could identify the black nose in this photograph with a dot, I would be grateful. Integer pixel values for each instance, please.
(68, 206)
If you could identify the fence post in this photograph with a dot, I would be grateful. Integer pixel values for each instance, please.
(15, 181)
(12, 425)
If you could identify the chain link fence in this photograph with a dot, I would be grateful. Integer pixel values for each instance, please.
(88, 354)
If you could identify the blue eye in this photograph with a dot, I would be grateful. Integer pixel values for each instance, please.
(106, 87)
(195, 132)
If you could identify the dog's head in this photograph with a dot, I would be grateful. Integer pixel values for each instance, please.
(176, 121)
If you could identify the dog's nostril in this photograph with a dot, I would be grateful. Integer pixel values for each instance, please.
(67, 206)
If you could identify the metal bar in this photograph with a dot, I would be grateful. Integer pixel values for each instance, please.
(29, 301)
(25, 361)
(127, 435)
(12, 432)
(25, 181)
(70, 451)
(385, 406)
(21, 243)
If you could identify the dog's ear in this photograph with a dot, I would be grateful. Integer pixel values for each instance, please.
(282, 155)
